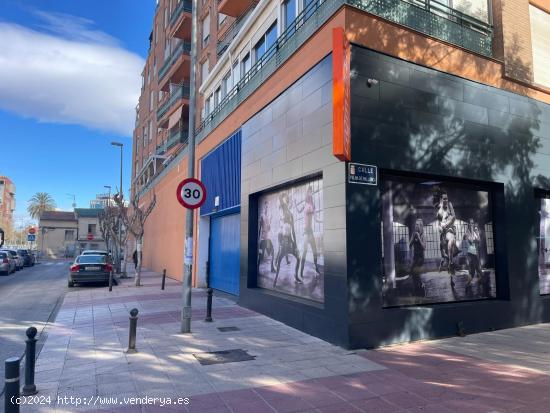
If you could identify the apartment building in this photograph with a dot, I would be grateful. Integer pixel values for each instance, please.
(376, 171)
(7, 206)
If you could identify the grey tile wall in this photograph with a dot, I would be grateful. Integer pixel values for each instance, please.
(289, 139)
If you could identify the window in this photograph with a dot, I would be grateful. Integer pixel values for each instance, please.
(235, 74)
(265, 43)
(436, 233)
(543, 242)
(151, 98)
(150, 130)
(289, 13)
(165, 17)
(155, 65)
(221, 19)
(69, 235)
(245, 65)
(540, 39)
(218, 96)
(166, 48)
(226, 84)
(144, 134)
(91, 228)
(205, 30)
(208, 105)
(204, 71)
(143, 80)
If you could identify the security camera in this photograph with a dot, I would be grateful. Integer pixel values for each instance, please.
(372, 82)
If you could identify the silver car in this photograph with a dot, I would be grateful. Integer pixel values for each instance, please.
(7, 263)
(19, 260)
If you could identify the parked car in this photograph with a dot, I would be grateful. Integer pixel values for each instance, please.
(28, 257)
(7, 263)
(19, 262)
(90, 269)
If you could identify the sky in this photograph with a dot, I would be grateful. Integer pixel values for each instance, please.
(70, 78)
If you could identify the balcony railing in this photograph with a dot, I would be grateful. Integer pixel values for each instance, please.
(179, 92)
(182, 6)
(181, 48)
(177, 136)
(233, 30)
(427, 16)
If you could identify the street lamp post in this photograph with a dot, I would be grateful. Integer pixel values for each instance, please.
(107, 243)
(185, 326)
(120, 145)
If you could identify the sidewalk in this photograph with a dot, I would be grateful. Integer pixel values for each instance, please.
(289, 371)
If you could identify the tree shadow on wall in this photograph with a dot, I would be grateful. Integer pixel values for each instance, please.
(443, 138)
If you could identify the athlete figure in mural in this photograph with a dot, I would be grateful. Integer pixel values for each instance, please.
(309, 238)
(266, 246)
(417, 244)
(286, 237)
(473, 239)
(446, 219)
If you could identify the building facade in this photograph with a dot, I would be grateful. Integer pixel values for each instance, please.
(376, 171)
(7, 206)
(66, 234)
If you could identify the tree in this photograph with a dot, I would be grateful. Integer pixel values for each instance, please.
(40, 202)
(134, 219)
(109, 226)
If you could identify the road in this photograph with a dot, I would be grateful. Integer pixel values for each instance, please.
(28, 298)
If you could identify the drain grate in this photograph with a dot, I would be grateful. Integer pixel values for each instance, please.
(226, 329)
(222, 357)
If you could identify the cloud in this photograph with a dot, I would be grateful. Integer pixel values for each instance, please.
(69, 73)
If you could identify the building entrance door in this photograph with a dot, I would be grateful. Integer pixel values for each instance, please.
(225, 253)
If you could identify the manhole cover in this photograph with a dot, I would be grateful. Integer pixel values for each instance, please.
(226, 329)
(225, 356)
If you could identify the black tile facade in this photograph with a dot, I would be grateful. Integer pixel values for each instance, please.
(420, 121)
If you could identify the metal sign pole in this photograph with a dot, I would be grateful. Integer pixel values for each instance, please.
(188, 253)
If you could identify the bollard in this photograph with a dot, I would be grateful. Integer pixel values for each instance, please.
(163, 279)
(209, 292)
(133, 330)
(11, 405)
(111, 281)
(30, 359)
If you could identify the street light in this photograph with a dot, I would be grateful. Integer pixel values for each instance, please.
(120, 145)
(74, 199)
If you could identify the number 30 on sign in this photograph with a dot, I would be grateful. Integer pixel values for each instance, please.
(191, 193)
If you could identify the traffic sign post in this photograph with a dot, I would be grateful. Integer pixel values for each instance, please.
(191, 193)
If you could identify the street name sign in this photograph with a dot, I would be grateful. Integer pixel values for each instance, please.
(359, 173)
(191, 193)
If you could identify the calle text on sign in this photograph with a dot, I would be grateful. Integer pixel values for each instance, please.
(359, 173)
(341, 134)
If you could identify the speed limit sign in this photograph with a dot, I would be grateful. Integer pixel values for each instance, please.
(191, 193)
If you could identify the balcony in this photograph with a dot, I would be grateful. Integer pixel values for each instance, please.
(234, 8)
(180, 21)
(183, 6)
(228, 35)
(179, 92)
(177, 136)
(435, 19)
(427, 16)
(182, 48)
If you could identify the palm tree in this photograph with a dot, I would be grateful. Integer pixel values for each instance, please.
(40, 202)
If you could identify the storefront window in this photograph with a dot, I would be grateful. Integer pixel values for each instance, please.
(438, 242)
(290, 240)
(544, 246)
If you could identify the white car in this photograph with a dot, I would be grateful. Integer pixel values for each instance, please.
(19, 260)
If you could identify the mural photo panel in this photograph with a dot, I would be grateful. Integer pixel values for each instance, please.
(290, 240)
(544, 246)
(437, 242)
